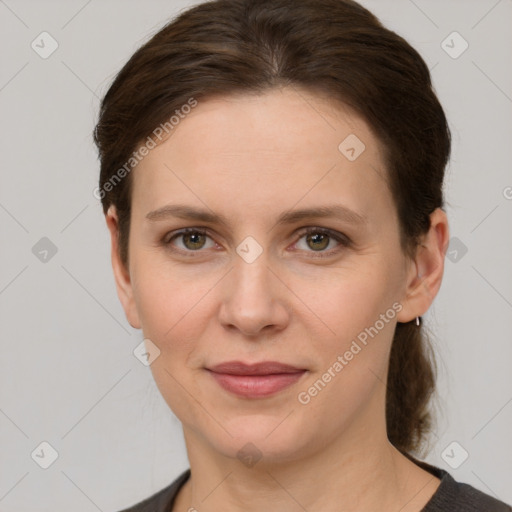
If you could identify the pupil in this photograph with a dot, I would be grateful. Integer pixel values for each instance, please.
(318, 237)
(190, 237)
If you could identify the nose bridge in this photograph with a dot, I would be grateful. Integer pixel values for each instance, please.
(253, 300)
(251, 275)
(250, 250)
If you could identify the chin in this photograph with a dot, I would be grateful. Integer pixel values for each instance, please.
(262, 440)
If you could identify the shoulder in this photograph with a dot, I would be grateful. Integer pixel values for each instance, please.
(453, 496)
(450, 496)
(162, 500)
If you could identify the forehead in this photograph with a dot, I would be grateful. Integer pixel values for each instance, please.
(271, 148)
(278, 121)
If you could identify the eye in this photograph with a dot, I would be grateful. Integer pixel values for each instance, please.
(193, 239)
(318, 239)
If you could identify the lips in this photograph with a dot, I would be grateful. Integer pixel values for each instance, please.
(257, 380)
(263, 368)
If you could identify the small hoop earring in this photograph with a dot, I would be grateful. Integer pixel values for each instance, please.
(418, 320)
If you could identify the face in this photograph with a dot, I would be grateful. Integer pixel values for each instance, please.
(320, 293)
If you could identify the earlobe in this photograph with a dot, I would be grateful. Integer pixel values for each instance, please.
(426, 272)
(121, 273)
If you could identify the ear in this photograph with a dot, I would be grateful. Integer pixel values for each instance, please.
(121, 273)
(426, 271)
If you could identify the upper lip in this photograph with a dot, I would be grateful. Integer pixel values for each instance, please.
(263, 368)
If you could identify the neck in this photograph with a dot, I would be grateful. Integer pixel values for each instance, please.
(360, 470)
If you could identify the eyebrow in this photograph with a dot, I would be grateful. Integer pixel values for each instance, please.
(188, 212)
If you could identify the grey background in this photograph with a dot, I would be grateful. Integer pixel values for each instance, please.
(68, 375)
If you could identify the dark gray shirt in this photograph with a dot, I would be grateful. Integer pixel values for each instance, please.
(450, 496)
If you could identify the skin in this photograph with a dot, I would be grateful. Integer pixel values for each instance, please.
(251, 158)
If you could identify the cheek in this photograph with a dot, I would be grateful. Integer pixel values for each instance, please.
(343, 302)
(350, 366)
(356, 309)
(172, 311)
(168, 300)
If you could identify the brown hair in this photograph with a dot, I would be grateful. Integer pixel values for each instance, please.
(335, 47)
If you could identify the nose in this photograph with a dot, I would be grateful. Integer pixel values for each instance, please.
(254, 299)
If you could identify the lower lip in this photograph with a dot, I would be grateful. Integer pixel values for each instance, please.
(256, 386)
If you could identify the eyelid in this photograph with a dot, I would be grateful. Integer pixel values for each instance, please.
(169, 237)
(342, 239)
(174, 234)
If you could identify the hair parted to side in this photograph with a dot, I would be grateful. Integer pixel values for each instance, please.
(332, 47)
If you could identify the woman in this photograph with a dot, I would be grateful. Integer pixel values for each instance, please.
(271, 176)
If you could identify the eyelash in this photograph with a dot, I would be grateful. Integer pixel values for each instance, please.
(342, 239)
